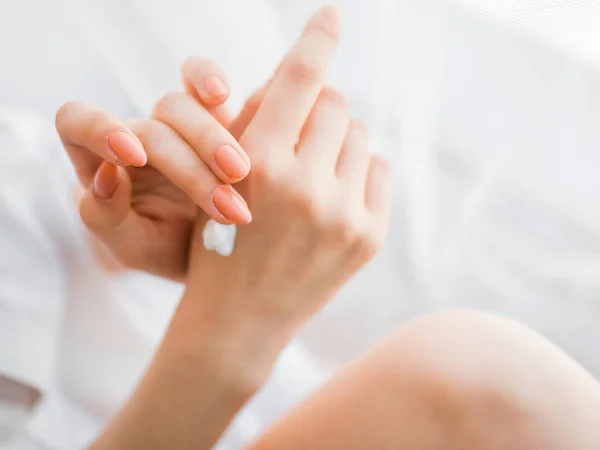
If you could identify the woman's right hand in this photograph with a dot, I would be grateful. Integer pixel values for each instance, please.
(320, 205)
(320, 201)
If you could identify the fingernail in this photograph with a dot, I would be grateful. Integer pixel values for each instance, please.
(231, 161)
(127, 148)
(328, 19)
(329, 11)
(106, 180)
(215, 88)
(231, 205)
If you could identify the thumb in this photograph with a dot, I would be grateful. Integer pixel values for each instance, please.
(105, 208)
(91, 135)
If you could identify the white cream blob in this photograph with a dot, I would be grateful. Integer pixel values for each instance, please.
(218, 237)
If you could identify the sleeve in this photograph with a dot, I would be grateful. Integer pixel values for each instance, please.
(32, 285)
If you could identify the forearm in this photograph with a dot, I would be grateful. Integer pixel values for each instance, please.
(206, 369)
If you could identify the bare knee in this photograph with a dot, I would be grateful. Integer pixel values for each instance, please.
(484, 377)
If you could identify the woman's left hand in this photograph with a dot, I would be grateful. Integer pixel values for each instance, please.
(143, 214)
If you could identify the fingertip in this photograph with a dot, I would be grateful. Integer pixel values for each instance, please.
(331, 12)
(213, 90)
(107, 201)
(381, 162)
(233, 162)
(218, 217)
(231, 205)
(327, 19)
(207, 80)
(127, 148)
(106, 181)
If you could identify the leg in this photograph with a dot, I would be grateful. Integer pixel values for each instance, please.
(456, 380)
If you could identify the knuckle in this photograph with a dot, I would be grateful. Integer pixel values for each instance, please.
(302, 72)
(100, 122)
(334, 97)
(196, 183)
(265, 171)
(89, 216)
(368, 245)
(343, 230)
(195, 65)
(148, 131)
(165, 105)
(203, 131)
(255, 100)
(307, 203)
(86, 217)
(64, 112)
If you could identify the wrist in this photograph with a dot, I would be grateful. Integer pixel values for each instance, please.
(238, 344)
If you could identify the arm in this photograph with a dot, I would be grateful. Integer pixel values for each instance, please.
(320, 212)
(202, 375)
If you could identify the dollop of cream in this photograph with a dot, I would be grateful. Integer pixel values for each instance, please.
(219, 238)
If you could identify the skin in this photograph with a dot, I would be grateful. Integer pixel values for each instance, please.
(332, 203)
(142, 206)
(457, 380)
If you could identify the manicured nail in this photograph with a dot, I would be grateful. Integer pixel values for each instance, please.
(231, 205)
(127, 148)
(106, 180)
(215, 88)
(232, 162)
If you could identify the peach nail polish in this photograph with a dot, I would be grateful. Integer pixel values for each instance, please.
(231, 162)
(215, 88)
(106, 180)
(127, 148)
(231, 205)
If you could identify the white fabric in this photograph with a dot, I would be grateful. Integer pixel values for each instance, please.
(79, 335)
(487, 110)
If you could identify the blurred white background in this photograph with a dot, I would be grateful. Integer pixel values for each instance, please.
(487, 110)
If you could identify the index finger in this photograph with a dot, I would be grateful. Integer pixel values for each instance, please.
(296, 85)
(91, 135)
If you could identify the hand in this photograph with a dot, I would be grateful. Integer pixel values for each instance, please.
(144, 213)
(320, 201)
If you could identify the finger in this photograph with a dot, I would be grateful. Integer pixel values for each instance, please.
(240, 123)
(205, 79)
(324, 131)
(174, 158)
(105, 209)
(378, 188)
(91, 135)
(353, 162)
(105, 206)
(210, 140)
(206, 82)
(295, 87)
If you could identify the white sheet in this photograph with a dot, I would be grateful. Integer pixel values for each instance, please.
(487, 110)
